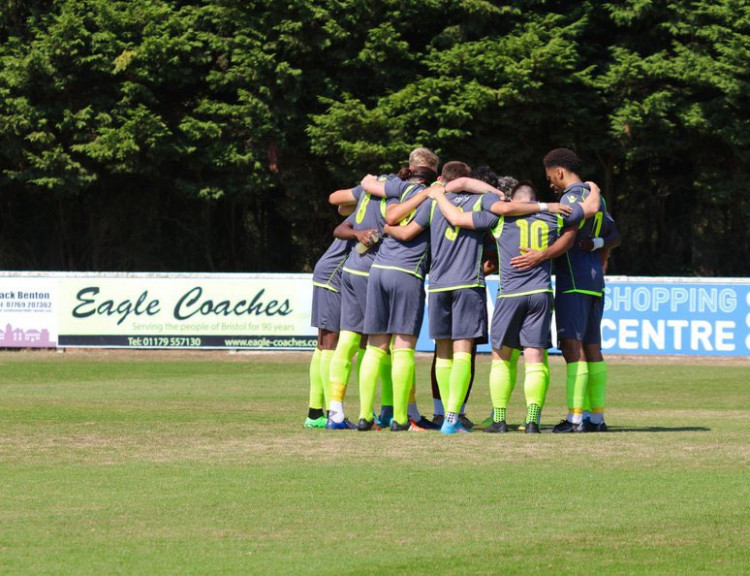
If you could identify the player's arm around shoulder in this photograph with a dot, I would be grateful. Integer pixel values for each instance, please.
(373, 185)
(342, 197)
(526, 208)
(395, 213)
(403, 233)
(593, 200)
(472, 185)
(452, 213)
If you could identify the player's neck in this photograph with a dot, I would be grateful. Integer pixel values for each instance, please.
(571, 179)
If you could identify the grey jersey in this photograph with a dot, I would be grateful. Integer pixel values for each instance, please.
(369, 214)
(457, 252)
(412, 256)
(327, 271)
(578, 270)
(534, 232)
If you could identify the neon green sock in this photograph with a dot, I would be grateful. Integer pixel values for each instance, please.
(360, 357)
(369, 372)
(587, 397)
(597, 386)
(403, 378)
(501, 387)
(545, 363)
(499, 414)
(577, 377)
(514, 356)
(341, 365)
(459, 382)
(443, 369)
(533, 412)
(317, 398)
(386, 380)
(325, 373)
(534, 385)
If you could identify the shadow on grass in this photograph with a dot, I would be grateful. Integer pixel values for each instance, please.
(616, 429)
(657, 429)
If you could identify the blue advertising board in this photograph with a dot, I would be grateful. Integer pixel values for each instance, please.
(690, 316)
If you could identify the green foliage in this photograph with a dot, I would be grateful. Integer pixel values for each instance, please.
(222, 126)
(678, 111)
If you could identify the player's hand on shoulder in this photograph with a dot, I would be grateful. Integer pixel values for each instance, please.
(436, 191)
(593, 186)
(557, 208)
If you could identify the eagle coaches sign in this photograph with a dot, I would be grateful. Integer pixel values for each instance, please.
(254, 311)
(216, 311)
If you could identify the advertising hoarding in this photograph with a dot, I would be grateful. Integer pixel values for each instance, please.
(664, 316)
(688, 316)
(28, 312)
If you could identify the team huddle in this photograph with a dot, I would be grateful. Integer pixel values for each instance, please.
(369, 295)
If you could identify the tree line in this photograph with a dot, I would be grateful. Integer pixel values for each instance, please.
(206, 136)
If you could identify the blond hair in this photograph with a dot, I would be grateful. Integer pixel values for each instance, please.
(423, 157)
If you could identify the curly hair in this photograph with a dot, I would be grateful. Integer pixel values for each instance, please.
(506, 184)
(563, 158)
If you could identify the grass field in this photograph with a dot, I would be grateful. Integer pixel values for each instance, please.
(197, 463)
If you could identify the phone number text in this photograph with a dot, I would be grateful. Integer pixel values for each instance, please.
(164, 342)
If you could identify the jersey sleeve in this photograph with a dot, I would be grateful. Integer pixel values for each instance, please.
(609, 230)
(424, 212)
(609, 227)
(484, 220)
(575, 193)
(393, 189)
(575, 217)
(357, 192)
(488, 200)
